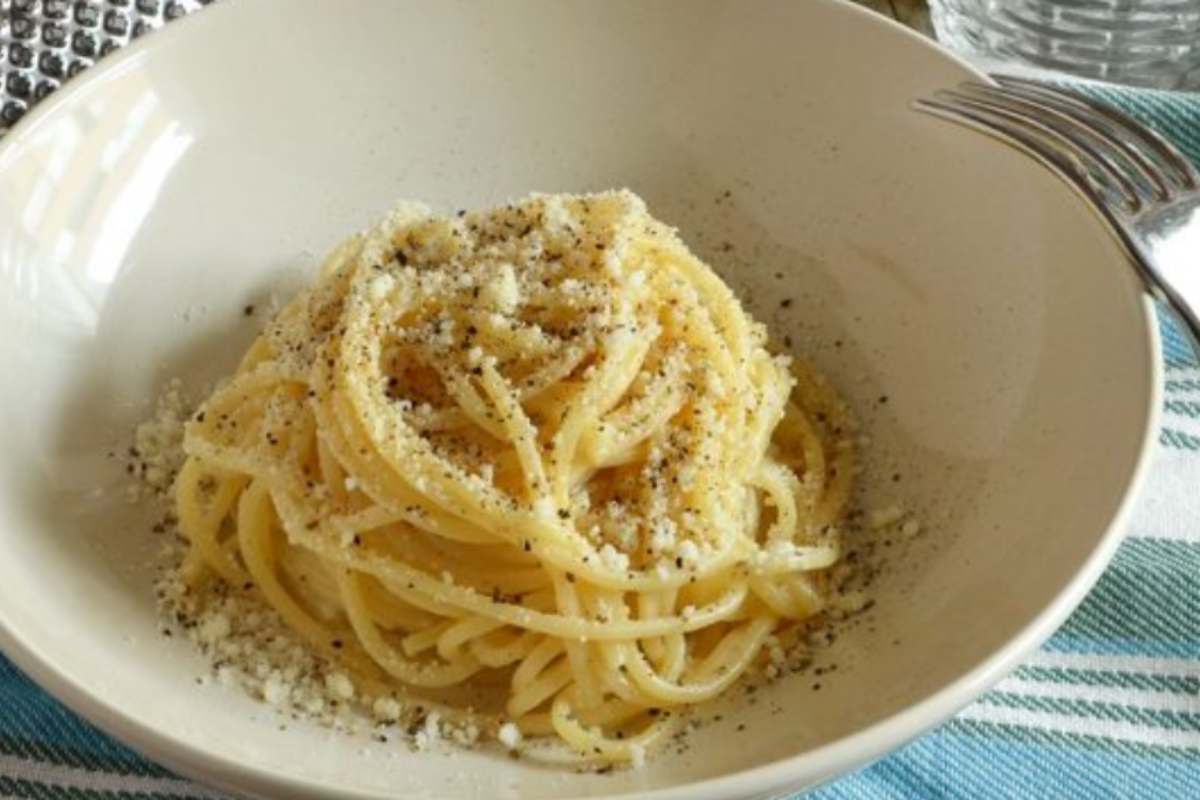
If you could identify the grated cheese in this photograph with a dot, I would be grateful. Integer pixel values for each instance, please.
(509, 735)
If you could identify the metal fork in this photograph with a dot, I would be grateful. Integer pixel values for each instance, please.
(1141, 186)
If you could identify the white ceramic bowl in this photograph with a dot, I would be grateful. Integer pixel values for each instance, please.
(146, 203)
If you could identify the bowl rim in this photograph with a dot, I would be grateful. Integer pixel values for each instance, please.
(855, 750)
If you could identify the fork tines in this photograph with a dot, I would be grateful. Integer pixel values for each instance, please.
(1105, 152)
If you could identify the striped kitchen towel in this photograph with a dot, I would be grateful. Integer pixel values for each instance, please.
(1108, 708)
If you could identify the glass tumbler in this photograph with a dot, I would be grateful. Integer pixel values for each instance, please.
(1153, 43)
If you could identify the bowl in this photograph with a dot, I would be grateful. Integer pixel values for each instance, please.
(209, 166)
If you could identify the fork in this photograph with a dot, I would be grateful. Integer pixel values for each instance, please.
(1145, 190)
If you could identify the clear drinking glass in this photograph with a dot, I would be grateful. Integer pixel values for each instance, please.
(1152, 43)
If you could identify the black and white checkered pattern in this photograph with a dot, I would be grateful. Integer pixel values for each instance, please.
(45, 42)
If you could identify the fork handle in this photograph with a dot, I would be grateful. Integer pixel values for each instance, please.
(1171, 280)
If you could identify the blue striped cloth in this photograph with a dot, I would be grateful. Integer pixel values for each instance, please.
(1109, 707)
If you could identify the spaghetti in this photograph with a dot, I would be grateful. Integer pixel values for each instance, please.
(540, 451)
